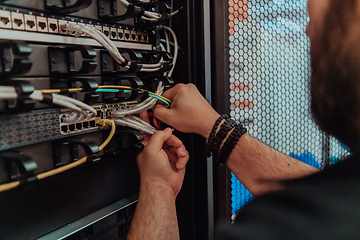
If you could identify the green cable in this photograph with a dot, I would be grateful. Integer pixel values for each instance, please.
(112, 90)
(151, 95)
(129, 91)
(107, 90)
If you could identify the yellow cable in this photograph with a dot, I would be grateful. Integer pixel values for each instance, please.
(106, 123)
(8, 186)
(59, 90)
(117, 87)
(103, 123)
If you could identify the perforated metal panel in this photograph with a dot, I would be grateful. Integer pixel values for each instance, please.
(269, 82)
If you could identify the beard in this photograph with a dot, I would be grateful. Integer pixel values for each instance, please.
(335, 79)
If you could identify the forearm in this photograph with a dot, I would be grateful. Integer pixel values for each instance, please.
(155, 215)
(262, 169)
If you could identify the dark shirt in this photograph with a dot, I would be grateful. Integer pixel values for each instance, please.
(325, 205)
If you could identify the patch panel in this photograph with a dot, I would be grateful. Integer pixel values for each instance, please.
(5, 19)
(18, 21)
(43, 24)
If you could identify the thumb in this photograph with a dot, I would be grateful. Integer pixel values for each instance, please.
(158, 139)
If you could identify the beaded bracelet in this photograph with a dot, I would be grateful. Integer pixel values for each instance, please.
(208, 151)
(220, 136)
(230, 143)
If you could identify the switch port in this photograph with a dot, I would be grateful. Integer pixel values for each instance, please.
(78, 126)
(139, 36)
(146, 38)
(42, 25)
(92, 123)
(120, 34)
(61, 31)
(5, 19)
(30, 23)
(64, 128)
(99, 28)
(53, 25)
(133, 35)
(106, 31)
(82, 24)
(72, 127)
(18, 21)
(114, 34)
(85, 124)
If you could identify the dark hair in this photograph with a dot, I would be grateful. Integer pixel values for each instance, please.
(335, 80)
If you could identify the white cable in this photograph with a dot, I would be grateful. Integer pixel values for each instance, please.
(143, 106)
(76, 102)
(176, 49)
(8, 95)
(7, 89)
(167, 41)
(134, 126)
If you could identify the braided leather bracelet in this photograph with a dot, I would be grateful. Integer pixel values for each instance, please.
(220, 136)
(208, 151)
(230, 144)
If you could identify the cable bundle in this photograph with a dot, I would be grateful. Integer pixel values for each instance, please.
(109, 46)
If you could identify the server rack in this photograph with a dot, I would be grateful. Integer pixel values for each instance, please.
(97, 199)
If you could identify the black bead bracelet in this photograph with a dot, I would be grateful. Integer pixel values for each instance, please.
(220, 136)
(208, 151)
(230, 143)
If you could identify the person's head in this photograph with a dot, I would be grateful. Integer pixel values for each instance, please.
(334, 31)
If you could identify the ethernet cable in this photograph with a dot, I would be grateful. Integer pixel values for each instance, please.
(135, 123)
(103, 123)
(176, 48)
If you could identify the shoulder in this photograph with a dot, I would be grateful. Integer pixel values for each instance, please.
(324, 205)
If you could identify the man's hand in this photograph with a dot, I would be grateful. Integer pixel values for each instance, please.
(189, 111)
(163, 161)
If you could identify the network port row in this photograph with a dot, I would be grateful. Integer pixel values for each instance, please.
(32, 23)
(80, 126)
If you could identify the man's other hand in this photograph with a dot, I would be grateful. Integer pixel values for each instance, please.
(163, 161)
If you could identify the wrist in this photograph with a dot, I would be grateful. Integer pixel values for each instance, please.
(208, 125)
(158, 188)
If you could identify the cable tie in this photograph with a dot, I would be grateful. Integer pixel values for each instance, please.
(47, 98)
